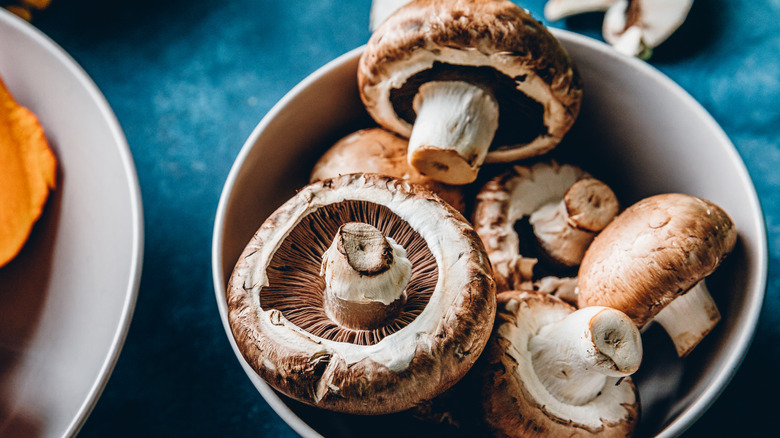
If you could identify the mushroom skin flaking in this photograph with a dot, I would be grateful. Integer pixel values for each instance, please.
(549, 370)
(654, 256)
(565, 208)
(293, 344)
(376, 150)
(492, 82)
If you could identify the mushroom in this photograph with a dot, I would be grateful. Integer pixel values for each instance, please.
(362, 294)
(650, 263)
(565, 208)
(551, 370)
(381, 9)
(636, 27)
(376, 150)
(555, 10)
(468, 82)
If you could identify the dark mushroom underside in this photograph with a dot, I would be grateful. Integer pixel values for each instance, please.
(520, 118)
(296, 287)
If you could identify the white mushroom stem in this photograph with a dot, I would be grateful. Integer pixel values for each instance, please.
(635, 27)
(574, 356)
(689, 318)
(365, 277)
(456, 122)
(566, 228)
(556, 9)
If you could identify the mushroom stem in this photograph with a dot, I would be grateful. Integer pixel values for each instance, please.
(689, 318)
(455, 124)
(365, 277)
(565, 229)
(574, 356)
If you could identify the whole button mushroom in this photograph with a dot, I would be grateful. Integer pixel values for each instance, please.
(376, 150)
(636, 27)
(362, 294)
(551, 370)
(650, 262)
(565, 208)
(468, 82)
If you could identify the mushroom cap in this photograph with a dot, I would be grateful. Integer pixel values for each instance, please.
(653, 252)
(508, 198)
(516, 403)
(492, 43)
(376, 150)
(289, 344)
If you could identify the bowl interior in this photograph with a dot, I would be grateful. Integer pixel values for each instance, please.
(66, 300)
(637, 131)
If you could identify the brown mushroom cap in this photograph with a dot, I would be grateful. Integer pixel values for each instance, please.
(376, 150)
(653, 252)
(515, 403)
(490, 43)
(275, 297)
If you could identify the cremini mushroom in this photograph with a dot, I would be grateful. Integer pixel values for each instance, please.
(362, 294)
(468, 82)
(376, 150)
(636, 27)
(551, 370)
(650, 262)
(565, 208)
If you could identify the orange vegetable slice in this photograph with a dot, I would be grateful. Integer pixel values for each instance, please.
(28, 171)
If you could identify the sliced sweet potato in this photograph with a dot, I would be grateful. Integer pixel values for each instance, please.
(28, 171)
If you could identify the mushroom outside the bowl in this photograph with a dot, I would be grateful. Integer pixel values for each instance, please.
(651, 261)
(468, 82)
(551, 370)
(362, 294)
(376, 150)
(565, 208)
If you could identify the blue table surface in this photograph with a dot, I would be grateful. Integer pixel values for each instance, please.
(189, 81)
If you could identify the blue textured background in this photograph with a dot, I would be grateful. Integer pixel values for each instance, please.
(189, 81)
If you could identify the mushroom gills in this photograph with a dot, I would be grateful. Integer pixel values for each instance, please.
(296, 288)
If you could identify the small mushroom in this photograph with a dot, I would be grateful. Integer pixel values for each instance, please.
(376, 150)
(551, 370)
(362, 294)
(651, 260)
(565, 208)
(636, 27)
(468, 82)
(555, 10)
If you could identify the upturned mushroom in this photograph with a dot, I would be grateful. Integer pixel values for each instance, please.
(651, 261)
(565, 208)
(362, 294)
(376, 150)
(468, 82)
(636, 27)
(551, 370)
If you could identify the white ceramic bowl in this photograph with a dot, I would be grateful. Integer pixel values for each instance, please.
(637, 130)
(67, 299)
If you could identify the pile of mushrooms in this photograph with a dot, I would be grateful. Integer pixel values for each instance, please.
(369, 292)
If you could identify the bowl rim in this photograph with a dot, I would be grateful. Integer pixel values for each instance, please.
(688, 416)
(128, 167)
